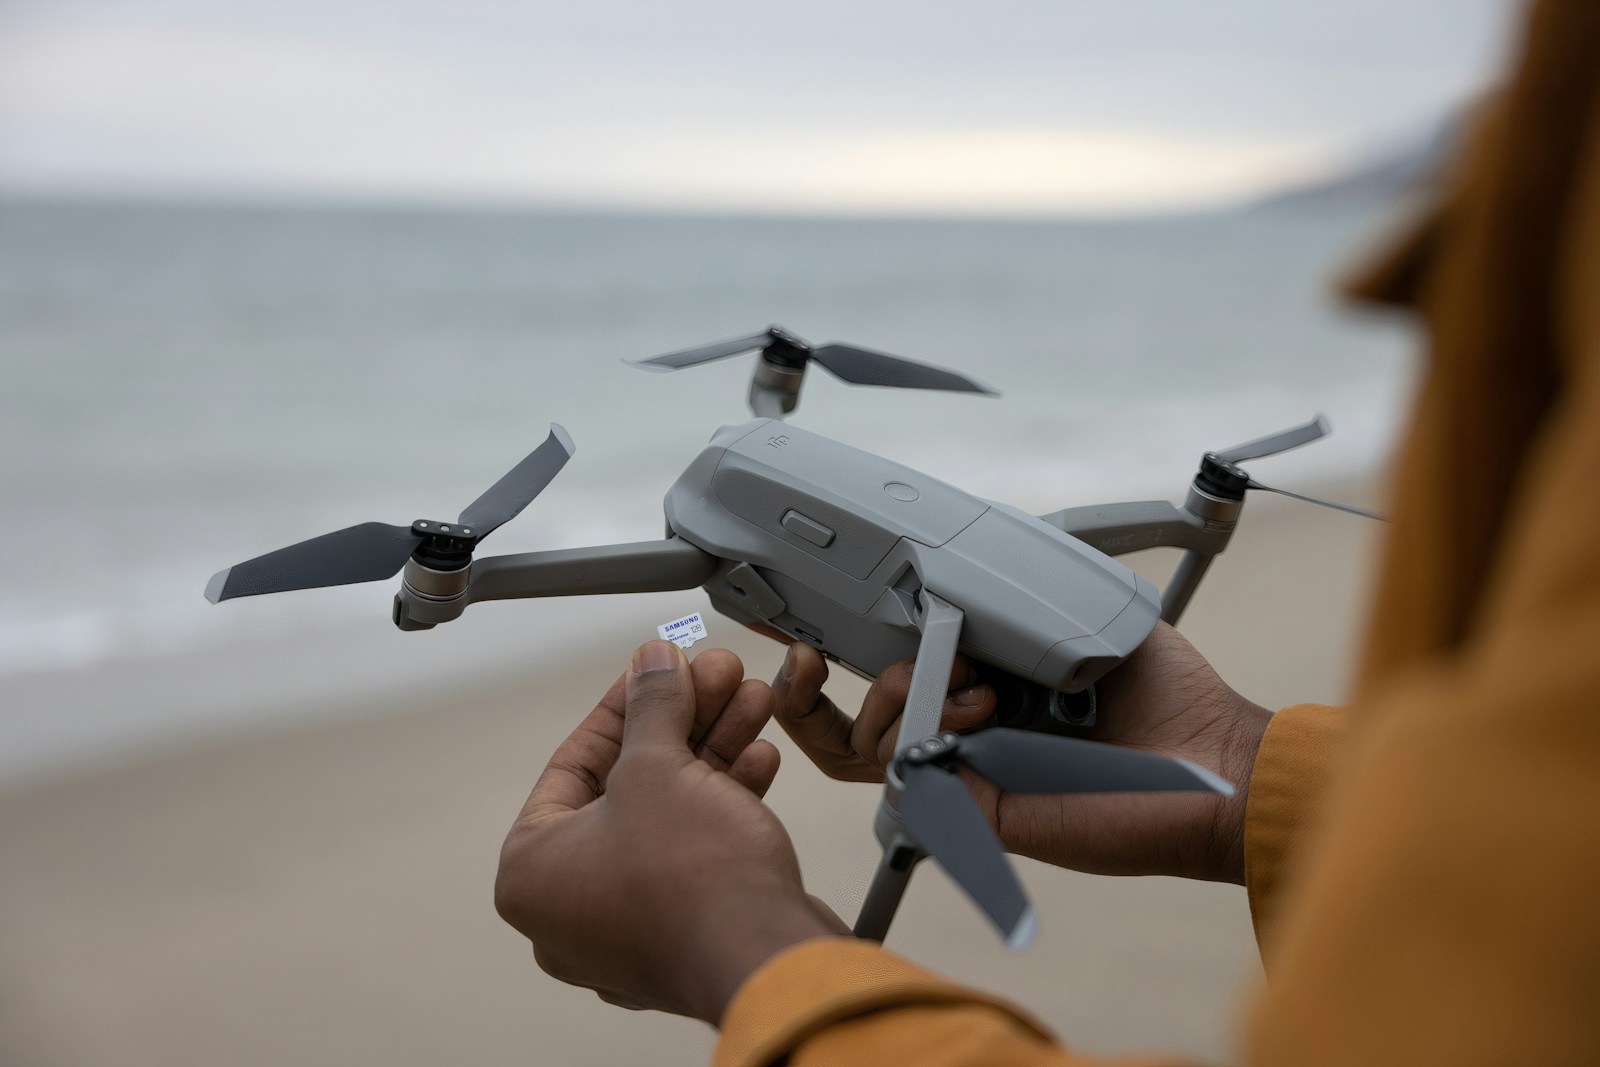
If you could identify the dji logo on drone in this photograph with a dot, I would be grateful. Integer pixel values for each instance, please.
(777, 442)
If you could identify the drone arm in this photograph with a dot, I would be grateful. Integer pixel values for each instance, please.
(1116, 529)
(427, 599)
(641, 567)
(1202, 528)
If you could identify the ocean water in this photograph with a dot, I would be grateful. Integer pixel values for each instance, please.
(189, 386)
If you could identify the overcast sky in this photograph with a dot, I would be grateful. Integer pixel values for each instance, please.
(925, 106)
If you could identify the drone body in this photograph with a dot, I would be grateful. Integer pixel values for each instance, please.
(835, 546)
(870, 562)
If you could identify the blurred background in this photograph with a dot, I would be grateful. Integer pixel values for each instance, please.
(270, 269)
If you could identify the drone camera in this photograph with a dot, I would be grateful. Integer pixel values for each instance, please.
(1027, 705)
(1073, 709)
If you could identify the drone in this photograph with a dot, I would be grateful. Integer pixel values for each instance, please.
(869, 562)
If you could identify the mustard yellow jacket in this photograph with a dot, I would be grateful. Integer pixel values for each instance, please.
(1426, 882)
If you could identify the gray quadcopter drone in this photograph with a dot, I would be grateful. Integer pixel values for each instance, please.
(869, 562)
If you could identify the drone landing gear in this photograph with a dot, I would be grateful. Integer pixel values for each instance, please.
(930, 681)
(927, 809)
(900, 855)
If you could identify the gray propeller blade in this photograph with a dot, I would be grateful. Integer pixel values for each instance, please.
(946, 823)
(704, 354)
(861, 366)
(1272, 444)
(515, 490)
(1351, 508)
(375, 550)
(1022, 761)
(365, 553)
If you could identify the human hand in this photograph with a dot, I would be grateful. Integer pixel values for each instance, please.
(1164, 698)
(644, 865)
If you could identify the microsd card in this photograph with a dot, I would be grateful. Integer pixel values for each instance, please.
(683, 632)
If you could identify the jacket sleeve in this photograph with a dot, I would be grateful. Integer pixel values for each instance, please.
(1447, 912)
(1290, 778)
(841, 1002)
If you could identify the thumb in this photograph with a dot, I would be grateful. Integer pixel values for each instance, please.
(660, 697)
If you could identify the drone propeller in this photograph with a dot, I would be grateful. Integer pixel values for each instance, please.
(858, 366)
(1272, 444)
(1222, 470)
(374, 550)
(941, 816)
(690, 357)
(1347, 508)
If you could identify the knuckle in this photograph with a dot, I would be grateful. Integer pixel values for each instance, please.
(717, 753)
(584, 774)
(795, 711)
(647, 690)
(509, 894)
(865, 746)
(894, 683)
(551, 964)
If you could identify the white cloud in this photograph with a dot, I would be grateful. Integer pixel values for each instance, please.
(1044, 170)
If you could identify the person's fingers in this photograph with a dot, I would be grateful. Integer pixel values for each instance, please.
(660, 697)
(756, 767)
(740, 723)
(813, 721)
(716, 674)
(873, 735)
(577, 771)
(619, 1000)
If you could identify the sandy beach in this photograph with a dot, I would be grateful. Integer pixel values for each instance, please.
(320, 893)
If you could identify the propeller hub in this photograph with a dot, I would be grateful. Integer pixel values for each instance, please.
(372, 551)
(786, 349)
(445, 546)
(1221, 479)
(934, 749)
(449, 531)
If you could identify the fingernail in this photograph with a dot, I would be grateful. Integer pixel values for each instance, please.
(786, 671)
(655, 656)
(972, 696)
